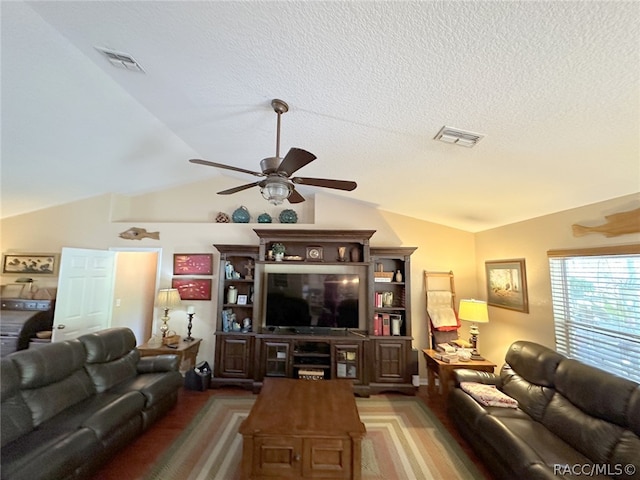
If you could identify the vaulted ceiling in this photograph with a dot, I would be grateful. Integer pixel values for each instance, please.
(554, 87)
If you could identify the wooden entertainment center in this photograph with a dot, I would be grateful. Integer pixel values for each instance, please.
(373, 360)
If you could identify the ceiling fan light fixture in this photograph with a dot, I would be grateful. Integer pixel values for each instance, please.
(276, 190)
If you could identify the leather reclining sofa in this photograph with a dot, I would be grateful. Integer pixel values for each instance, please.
(67, 407)
(572, 420)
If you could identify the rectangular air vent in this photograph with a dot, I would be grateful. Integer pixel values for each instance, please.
(121, 59)
(458, 137)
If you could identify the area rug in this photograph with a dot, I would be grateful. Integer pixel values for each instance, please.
(404, 440)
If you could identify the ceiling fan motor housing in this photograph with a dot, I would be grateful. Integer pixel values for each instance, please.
(269, 165)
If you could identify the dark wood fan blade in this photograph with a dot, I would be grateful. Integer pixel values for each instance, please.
(295, 159)
(295, 197)
(326, 182)
(227, 167)
(238, 189)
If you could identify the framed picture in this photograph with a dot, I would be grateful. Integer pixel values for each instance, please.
(30, 263)
(242, 299)
(507, 284)
(193, 264)
(193, 288)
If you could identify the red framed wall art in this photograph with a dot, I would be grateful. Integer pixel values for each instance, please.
(193, 264)
(193, 288)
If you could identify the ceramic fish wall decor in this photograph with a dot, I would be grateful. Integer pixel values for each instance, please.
(135, 233)
(617, 224)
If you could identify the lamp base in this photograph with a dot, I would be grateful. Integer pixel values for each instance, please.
(476, 356)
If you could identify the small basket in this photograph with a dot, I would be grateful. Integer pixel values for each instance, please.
(171, 340)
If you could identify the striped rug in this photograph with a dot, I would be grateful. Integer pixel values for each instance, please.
(403, 441)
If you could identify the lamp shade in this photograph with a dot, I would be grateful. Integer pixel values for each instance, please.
(168, 298)
(473, 311)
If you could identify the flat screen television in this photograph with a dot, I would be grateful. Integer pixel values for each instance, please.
(312, 300)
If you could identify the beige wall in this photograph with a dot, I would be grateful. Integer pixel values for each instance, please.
(96, 223)
(90, 224)
(531, 240)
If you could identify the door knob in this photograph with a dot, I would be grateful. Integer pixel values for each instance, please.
(61, 326)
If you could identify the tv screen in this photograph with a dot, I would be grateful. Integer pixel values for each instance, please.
(312, 299)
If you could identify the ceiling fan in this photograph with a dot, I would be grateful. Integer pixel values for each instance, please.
(278, 184)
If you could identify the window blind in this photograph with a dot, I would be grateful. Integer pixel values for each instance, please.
(596, 308)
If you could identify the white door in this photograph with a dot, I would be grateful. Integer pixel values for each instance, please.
(85, 292)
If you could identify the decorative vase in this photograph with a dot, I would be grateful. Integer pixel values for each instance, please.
(264, 218)
(232, 294)
(398, 276)
(355, 254)
(279, 257)
(241, 215)
(288, 216)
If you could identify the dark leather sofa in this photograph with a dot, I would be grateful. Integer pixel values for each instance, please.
(68, 407)
(572, 420)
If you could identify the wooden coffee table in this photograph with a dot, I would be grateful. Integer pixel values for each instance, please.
(303, 429)
(444, 371)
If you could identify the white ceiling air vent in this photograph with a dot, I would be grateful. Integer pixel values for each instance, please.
(121, 59)
(457, 136)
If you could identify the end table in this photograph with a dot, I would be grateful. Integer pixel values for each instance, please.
(444, 371)
(186, 351)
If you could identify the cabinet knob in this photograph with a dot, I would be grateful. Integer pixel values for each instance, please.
(296, 457)
(61, 326)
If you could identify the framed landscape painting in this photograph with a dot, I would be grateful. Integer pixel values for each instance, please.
(193, 264)
(507, 284)
(30, 263)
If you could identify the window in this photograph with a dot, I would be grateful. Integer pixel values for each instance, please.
(596, 307)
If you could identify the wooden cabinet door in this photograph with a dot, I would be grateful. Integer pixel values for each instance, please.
(277, 457)
(234, 357)
(348, 361)
(391, 361)
(326, 458)
(275, 359)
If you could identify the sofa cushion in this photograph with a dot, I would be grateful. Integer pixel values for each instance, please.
(153, 386)
(535, 363)
(122, 406)
(42, 366)
(596, 392)
(48, 454)
(111, 356)
(593, 437)
(532, 399)
(52, 379)
(16, 416)
(108, 345)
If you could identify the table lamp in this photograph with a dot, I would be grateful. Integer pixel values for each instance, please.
(475, 311)
(167, 299)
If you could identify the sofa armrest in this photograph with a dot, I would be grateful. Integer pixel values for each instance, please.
(159, 363)
(468, 375)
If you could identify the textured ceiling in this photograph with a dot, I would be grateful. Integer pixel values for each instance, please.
(553, 86)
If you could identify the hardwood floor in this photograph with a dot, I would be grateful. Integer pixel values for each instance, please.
(134, 461)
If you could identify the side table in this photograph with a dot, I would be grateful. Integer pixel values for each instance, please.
(186, 351)
(444, 371)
